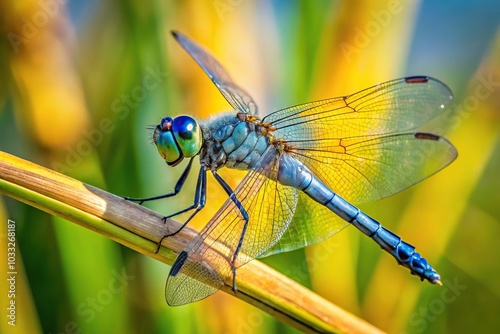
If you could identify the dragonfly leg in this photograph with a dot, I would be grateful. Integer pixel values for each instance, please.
(178, 187)
(200, 199)
(245, 216)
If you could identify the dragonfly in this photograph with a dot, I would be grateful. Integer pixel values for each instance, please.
(306, 164)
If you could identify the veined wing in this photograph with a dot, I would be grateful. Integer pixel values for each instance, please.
(207, 261)
(355, 146)
(364, 168)
(237, 97)
(350, 144)
(391, 107)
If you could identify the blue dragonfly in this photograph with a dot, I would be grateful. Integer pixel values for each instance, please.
(306, 164)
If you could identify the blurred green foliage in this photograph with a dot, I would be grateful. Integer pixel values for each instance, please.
(81, 83)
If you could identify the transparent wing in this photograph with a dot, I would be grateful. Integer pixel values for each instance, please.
(209, 257)
(237, 97)
(347, 141)
(391, 107)
(355, 146)
(375, 167)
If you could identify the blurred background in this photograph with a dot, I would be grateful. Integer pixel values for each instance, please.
(80, 83)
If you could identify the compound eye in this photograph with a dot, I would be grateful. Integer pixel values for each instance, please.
(165, 143)
(187, 134)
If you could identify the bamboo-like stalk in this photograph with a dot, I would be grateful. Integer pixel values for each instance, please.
(140, 228)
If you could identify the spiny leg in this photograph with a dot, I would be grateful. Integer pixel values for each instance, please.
(177, 189)
(245, 216)
(200, 199)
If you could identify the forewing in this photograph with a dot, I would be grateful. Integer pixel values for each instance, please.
(207, 261)
(237, 97)
(392, 107)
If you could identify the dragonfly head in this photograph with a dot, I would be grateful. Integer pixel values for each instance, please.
(177, 138)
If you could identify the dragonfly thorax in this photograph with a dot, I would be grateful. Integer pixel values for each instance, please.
(233, 141)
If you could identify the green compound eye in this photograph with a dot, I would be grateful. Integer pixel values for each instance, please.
(168, 148)
(187, 134)
(165, 142)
